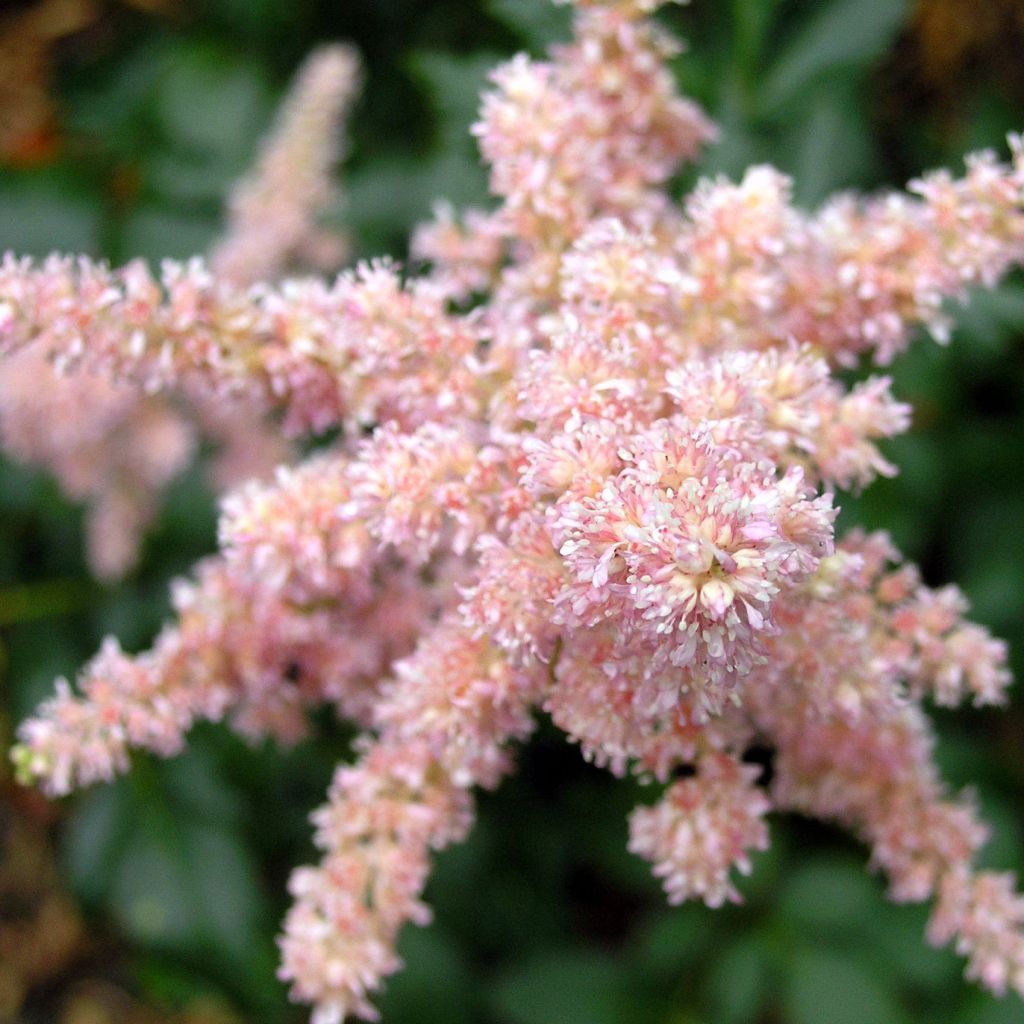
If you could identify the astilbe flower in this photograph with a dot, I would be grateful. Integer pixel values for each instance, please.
(583, 465)
(116, 448)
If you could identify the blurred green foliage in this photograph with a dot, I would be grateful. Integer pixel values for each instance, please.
(542, 916)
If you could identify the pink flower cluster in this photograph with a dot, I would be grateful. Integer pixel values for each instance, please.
(585, 466)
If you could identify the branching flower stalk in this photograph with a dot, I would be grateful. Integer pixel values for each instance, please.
(603, 491)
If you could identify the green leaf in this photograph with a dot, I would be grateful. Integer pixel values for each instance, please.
(154, 897)
(538, 22)
(226, 888)
(43, 215)
(990, 321)
(43, 600)
(196, 786)
(751, 21)
(987, 530)
(826, 988)
(163, 851)
(434, 987)
(674, 938)
(180, 180)
(985, 1009)
(741, 142)
(896, 949)
(389, 195)
(841, 35)
(113, 108)
(38, 653)
(830, 146)
(191, 887)
(570, 987)
(739, 982)
(455, 84)
(213, 103)
(155, 234)
(830, 896)
(97, 832)
(1003, 849)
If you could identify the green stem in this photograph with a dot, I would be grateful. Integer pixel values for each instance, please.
(29, 601)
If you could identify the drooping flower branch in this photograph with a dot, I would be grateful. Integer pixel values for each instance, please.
(601, 488)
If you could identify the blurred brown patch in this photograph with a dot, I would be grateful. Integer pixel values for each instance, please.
(99, 1002)
(950, 53)
(29, 131)
(952, 45)
(27, 125)
(953, 36)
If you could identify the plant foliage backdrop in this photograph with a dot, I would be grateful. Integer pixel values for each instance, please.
(143, 118)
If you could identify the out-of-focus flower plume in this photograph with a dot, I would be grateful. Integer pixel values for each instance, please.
(273, 213)
(116, 449)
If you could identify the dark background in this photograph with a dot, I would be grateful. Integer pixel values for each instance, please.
(157, 899)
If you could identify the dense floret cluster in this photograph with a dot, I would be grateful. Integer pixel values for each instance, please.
(584, 466)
